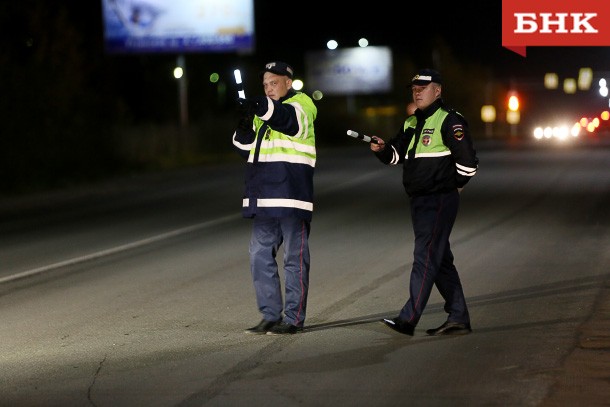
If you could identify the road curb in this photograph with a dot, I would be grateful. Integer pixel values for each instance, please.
(585, 373)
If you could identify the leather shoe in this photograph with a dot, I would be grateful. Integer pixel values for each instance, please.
(283, 328)
(399, 326)
(450, 328)
(262, 328)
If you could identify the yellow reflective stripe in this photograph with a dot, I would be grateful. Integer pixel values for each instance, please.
(297, 145)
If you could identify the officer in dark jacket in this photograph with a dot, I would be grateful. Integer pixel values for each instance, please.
(436, 151)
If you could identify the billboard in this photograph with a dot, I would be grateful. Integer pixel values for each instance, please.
(178, 26)
(350, 71)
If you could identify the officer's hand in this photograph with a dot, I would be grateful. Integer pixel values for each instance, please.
(246, 106)
(245, 123)
(254, 105)
(380, 146)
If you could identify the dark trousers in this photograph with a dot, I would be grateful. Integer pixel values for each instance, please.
(433, 217)
(268, 234)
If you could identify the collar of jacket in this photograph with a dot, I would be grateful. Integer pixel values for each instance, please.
(429, 111)
(288, 95)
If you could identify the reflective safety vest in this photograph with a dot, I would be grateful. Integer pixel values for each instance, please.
(430, 141)
(280, 167)
(436, 151)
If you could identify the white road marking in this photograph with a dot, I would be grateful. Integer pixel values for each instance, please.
(128, 246)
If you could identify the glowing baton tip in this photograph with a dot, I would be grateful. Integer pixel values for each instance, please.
(237, 74)
(362, 137)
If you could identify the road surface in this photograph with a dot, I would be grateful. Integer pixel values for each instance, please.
(137, 291)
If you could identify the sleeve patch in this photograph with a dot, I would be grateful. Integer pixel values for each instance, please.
(458, 132)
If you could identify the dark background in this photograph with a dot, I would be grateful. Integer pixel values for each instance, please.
(71, 113)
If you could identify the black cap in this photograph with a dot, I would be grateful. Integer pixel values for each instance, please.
(278, 68)
(425, 76)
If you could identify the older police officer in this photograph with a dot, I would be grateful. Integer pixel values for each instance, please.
(276, 136)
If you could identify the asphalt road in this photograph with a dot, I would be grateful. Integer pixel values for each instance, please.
(137, 292)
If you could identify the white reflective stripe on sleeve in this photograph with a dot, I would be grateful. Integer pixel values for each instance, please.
(284, 203)
(394, 159)
(245, 147)
(270, 109)
(466, 171)
(303, 127)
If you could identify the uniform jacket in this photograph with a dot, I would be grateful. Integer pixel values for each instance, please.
(281, 158)
(436, 150)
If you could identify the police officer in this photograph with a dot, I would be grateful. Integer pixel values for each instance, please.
(436, 151)
(276, 136)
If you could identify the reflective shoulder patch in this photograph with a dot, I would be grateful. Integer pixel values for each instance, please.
(458, 131)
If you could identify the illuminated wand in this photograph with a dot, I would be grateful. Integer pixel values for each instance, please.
(240, 85)
(362, 137)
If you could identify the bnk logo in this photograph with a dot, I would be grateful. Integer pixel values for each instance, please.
(554, 23)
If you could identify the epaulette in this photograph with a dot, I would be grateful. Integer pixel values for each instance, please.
(452, 110)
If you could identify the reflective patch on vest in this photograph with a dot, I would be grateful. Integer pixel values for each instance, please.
(426, 140)
(458, 132)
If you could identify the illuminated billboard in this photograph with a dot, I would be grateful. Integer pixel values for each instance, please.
(350, 71)
(177, 26)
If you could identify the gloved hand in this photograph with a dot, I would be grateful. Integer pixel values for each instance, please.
(245, 123)
(254, 105)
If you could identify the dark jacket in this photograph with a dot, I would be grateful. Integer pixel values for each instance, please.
(281, 157)
(436, 150)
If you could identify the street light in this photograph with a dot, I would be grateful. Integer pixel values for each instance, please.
(332, 44)
(569, 86)
(180, 75)
(513, 116)
(551, 80)
(488, 115)
(513, 103)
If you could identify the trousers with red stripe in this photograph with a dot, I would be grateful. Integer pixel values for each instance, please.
(433, 217)
(268, 234)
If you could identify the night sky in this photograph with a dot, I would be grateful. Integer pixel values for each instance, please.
(287, 30)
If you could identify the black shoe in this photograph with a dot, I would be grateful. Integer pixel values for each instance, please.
(399, 326)
(450, 328)
(283, 329)
(262, 328)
